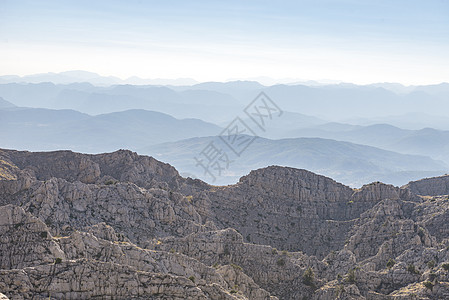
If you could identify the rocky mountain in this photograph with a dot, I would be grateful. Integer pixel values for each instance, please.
(123, 226)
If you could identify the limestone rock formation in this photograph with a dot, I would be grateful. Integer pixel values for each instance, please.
(435, 186)
(123, 226)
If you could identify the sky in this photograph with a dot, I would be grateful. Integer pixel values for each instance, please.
(347, 40)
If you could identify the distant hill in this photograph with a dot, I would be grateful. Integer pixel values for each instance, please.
(45, 129)
(427, 141)
(5, 104)
(412, 120)
(349, 163)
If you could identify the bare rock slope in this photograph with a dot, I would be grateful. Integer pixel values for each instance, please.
(124, 226)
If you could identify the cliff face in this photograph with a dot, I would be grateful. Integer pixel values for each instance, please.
(120, 226)
(295, 210)
(430, 186)
(122, 165)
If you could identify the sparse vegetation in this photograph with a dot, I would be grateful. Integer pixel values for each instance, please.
(351, 276)
(428, 285)
(281, 262)
(445, 266)
(58, 260)
(431, 264)
(17, 225)
(192, 278)
(308, 278)
(412, 269)
(391, 262)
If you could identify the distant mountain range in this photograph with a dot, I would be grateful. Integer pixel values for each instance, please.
(220, 102)
(427, 141)
(329, 129)
(349, 163)
(46, 129)
(93, 78)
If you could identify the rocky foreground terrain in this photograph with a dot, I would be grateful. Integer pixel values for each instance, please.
(124, 226)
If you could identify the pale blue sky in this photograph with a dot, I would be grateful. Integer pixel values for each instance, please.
(354, 41)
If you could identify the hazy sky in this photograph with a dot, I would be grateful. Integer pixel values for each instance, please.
(357, 41)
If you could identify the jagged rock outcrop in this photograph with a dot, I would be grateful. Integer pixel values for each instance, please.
(293, 210)
(119, 226)
(435, 186)
(137, 213)
(54, 266)
(122, 165)
(279, 272)
(24, 240)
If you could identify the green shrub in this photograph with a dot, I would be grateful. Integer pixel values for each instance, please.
(432, 276)
(445, 266)
(351, 276)
(192, 278)
(308, 278)
(412, 269)
(391, 262)
(428, 284)
(58, 260)
(280, 262)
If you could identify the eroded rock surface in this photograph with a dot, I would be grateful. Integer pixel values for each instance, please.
(123, 226)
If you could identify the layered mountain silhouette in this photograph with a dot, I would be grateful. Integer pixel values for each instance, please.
(88, 118)
(46, 129)
(350, 163)
(221, 102)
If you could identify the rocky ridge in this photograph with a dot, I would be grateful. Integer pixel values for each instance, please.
(123, 226)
